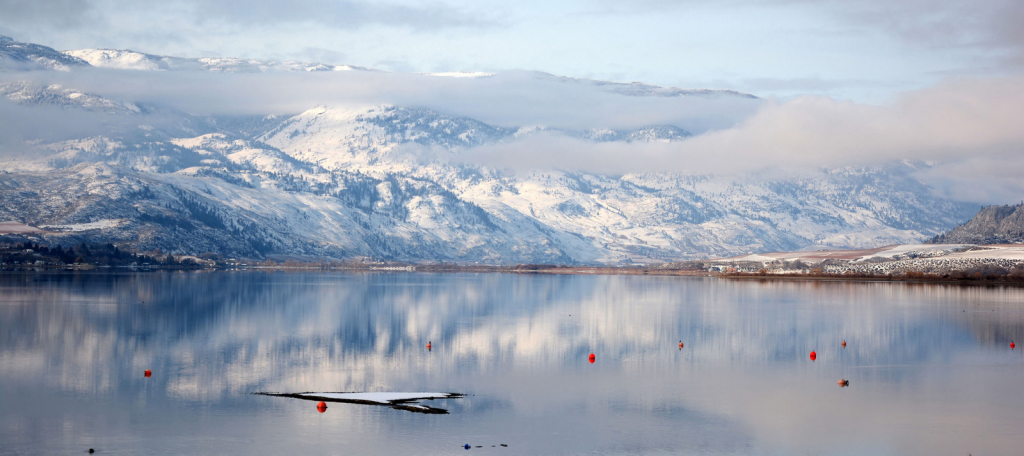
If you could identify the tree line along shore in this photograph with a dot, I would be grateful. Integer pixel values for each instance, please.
(29, 256)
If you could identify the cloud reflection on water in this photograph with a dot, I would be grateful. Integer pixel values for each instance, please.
(918, 354)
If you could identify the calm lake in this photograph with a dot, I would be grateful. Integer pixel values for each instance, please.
(930, 367)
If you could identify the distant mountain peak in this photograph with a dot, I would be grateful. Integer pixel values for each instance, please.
(18, 56)
(124, 59)
(29, 93)
(642, 89)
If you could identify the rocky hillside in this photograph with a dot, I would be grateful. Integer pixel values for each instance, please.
(992, 225)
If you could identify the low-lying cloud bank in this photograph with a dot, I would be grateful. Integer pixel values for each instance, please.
(511, 99)
(953, 121)
(969, 129)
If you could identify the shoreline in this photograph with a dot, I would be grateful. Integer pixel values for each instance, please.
(554, 270)
(565, 270)
(869, 279)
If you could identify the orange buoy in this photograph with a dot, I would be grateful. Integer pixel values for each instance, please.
(147, 373)
(843, 383)
(814, 356)
(844, 344)
(680, 345)
(592, 358)
(428, 345)
(321, 407)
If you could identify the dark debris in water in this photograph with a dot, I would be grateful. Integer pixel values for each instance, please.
(468, 446)
(409, 402)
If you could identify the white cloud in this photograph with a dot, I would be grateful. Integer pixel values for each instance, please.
(506, 99)
(969, 129)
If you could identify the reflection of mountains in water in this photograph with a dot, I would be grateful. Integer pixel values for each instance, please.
(365, 330)
(990, 327)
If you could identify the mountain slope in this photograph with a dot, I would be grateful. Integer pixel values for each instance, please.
(330, 188)
(399, 182)
(992, 225)
(131, 60)
(29, 93)
(18, 56)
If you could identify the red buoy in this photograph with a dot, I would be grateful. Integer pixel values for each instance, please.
(148, 373)
(592, 358)
(814, 356)
(1012, 345)
(680, 345)
(321, 407)
(844, 344)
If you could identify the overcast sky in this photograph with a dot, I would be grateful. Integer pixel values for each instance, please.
(866, 50)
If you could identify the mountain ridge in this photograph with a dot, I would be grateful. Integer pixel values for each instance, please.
(19, 56)
(124, 59)
(991, 225)
(390, 181)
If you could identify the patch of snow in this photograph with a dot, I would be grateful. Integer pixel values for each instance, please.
(936, 252)
(97, 225)
(991, 252)
(113, 58)
(917, 250)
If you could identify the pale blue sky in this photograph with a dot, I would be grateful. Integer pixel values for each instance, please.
(865, 51)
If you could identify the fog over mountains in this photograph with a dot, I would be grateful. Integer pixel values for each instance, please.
(351, 177)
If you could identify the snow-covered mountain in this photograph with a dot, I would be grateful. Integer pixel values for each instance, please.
(18, 56)
(355, 181)
(655, 133)
(640, 89)
(323, 183)
(28, 93)
(131, 60)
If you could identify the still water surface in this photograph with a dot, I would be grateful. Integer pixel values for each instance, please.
(930, 366)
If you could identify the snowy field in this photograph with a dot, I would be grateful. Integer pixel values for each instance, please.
(894, 252)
